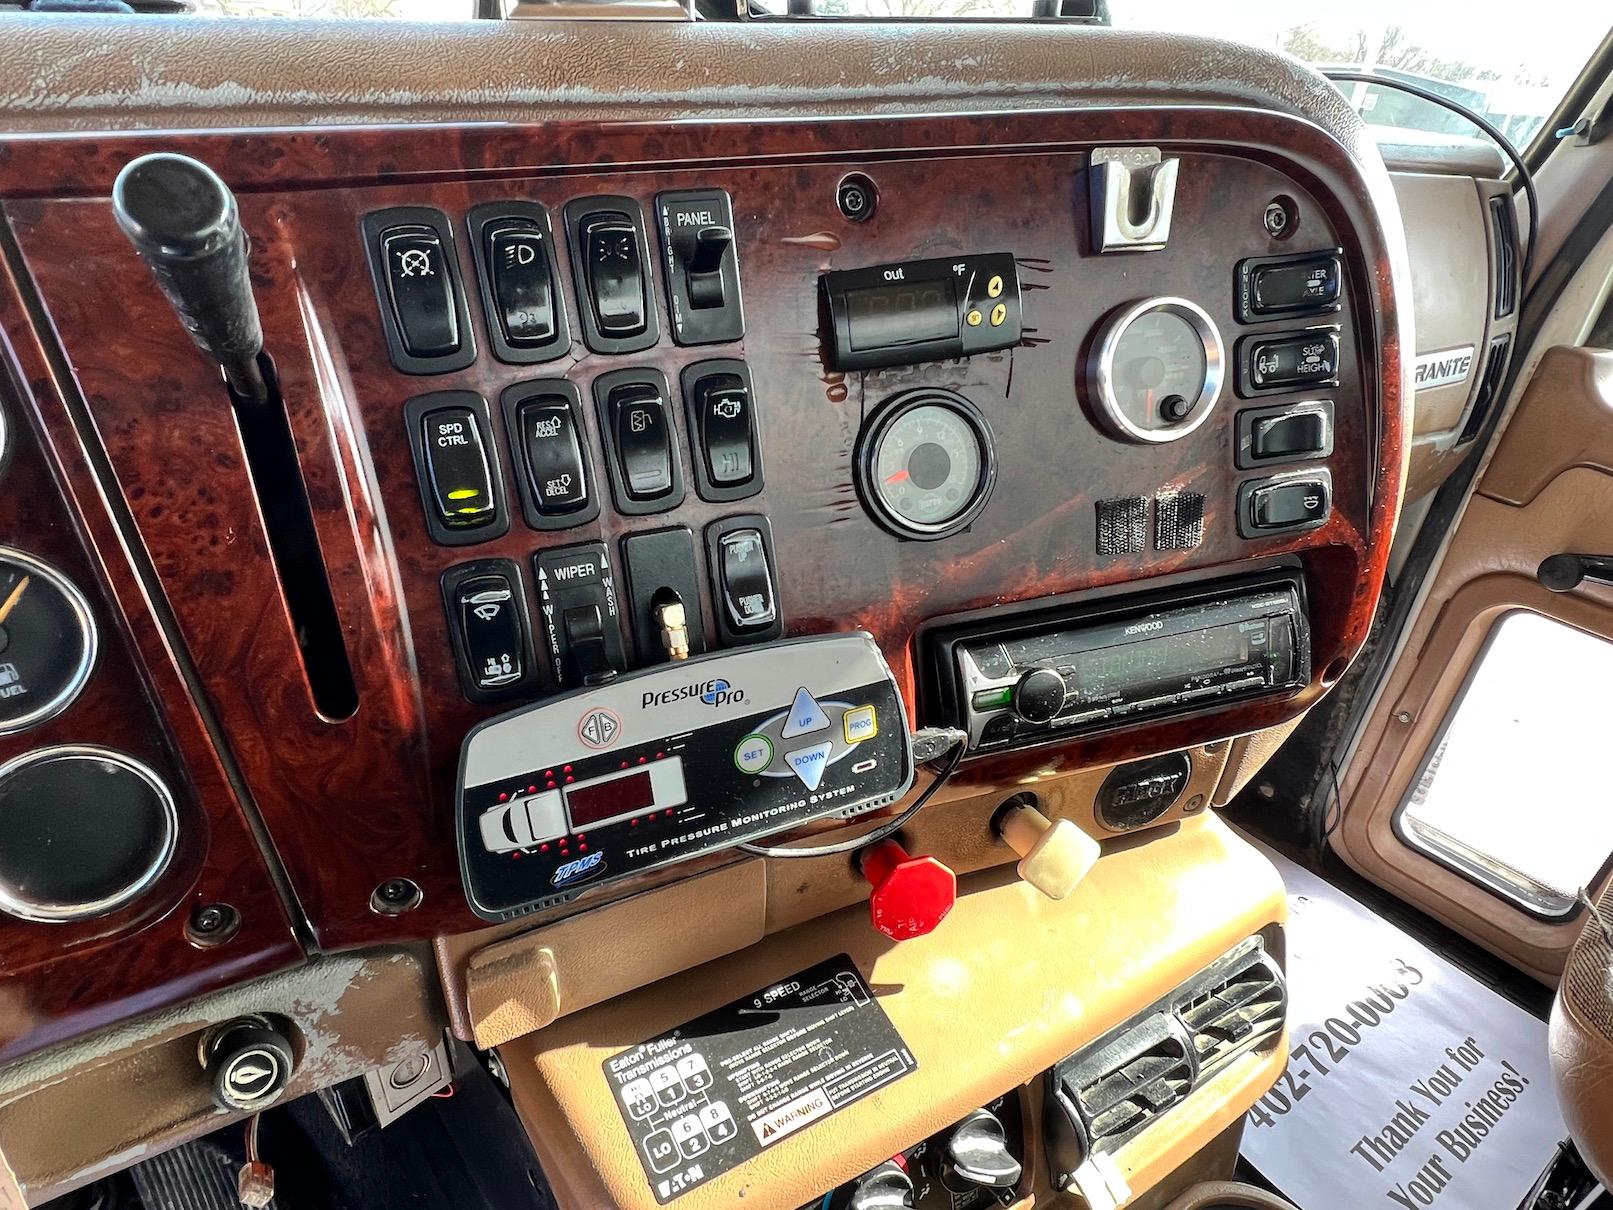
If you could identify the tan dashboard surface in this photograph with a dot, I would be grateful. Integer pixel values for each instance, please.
(1008, 985)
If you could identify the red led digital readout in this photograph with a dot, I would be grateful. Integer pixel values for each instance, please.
(607, 799)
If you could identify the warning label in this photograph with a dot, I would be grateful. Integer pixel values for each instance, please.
(712, 1093)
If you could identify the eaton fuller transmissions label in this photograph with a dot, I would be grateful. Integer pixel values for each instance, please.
(707, 1096)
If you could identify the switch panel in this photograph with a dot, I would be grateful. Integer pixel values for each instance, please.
(701, 266)
(1281, 287)
(456, 463)
(744, 584)
(549, 442)
(637, 425)
(727, 452)
(1299, 500)
(660, 565)
(611, 264)
(520, 283)
(1285, 432)
(578, 612)
(1287, 361)
(492, 635)
(416, 278)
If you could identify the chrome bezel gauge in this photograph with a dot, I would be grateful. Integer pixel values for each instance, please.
(1112, 414)
(78, 607)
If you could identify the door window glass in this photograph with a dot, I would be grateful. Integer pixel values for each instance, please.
(1516, 793)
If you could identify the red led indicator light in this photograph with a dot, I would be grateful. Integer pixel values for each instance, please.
(567, 769)
(582, 848)
(504, 798)
(543, 848)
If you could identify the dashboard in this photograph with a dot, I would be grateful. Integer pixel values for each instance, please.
(1077, 434)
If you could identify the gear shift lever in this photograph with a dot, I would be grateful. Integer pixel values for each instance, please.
(182, 220)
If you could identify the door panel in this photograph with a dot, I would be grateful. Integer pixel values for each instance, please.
(1548, 490)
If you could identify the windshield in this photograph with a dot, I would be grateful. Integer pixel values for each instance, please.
(1510, 66)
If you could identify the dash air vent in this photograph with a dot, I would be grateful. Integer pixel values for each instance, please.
(1102, 1097)
(1120, 1088)
(1236, 1005)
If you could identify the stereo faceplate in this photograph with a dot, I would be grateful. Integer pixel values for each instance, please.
(1050, 675)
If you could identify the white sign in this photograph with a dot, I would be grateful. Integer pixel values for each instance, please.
(1409, 1083)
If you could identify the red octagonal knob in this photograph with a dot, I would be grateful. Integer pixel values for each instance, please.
(911, 894)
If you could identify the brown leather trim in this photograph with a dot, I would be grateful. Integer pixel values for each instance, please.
(108, 72)
(1582, 1040)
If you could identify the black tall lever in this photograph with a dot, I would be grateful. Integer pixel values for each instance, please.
(182, 220)
(1564, 573)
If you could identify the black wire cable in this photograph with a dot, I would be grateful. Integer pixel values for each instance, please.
(1526, 179)
(878, 834)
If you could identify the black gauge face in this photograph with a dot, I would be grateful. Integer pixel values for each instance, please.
(1158, 370)
(47, 641)
(927, 464)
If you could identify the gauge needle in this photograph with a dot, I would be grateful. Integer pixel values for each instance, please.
(900, 476)
(16, 595)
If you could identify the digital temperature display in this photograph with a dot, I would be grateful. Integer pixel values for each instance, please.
(902, 314)
(922, 310)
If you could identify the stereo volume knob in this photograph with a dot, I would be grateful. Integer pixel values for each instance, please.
(1039, 695)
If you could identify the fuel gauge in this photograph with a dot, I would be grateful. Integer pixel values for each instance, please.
(47, 641)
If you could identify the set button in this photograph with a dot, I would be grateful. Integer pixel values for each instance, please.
(753, 754)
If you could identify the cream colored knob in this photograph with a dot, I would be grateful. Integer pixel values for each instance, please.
(1053, 856)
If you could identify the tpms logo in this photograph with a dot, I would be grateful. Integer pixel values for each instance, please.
(713, 693)
(576, 871)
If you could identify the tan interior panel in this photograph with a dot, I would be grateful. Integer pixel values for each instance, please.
(1541, 496)
(510, 982)
(1009, 984)
(1568, 423)
(1447, 237)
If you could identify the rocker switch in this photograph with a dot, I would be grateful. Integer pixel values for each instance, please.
(420, 290)
(641, 429)
(615, 273)
(522, 287)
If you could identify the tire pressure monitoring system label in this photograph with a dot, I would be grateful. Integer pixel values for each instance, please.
(712, 1093)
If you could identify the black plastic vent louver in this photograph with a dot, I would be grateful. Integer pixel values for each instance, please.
(1505, 234)
(1236, 1005)
(1121, 1088)
(1495, 367)
(1102, 1097)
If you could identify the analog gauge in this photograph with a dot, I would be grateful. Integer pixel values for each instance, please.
(926, 464)
(47, 641)
(1157, 370)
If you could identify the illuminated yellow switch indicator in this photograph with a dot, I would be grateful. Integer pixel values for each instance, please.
(459, 478)
(998, 314)
(974, 318)
(859, 724)
(994, 287)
